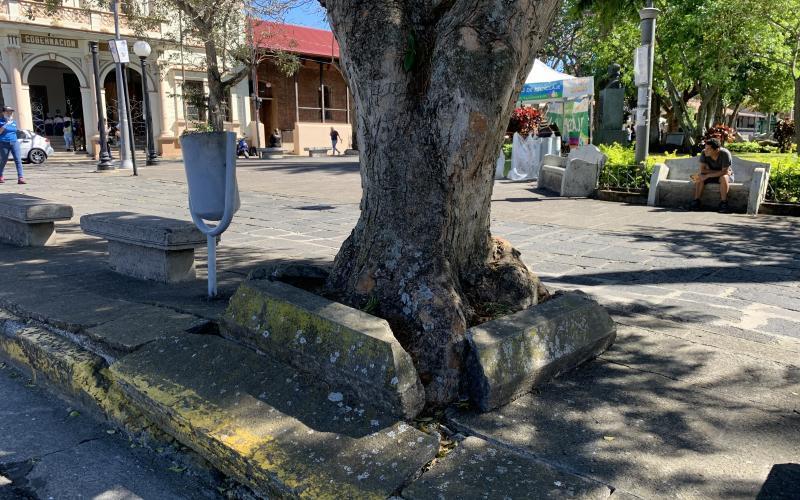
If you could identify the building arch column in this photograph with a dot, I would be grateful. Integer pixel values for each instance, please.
(22, 94)
(7, 87)
(89, 120)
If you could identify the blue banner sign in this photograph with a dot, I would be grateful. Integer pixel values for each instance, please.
(542, 91)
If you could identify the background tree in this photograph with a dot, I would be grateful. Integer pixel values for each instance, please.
(705, 53)
(434, 83)
(779, 44)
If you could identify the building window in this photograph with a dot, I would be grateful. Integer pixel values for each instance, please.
(195, 98)
(327, 104)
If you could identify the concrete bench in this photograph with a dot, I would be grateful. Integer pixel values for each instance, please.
(670, 185)
(576, 175)
(27, 221)
(317, 152)
(270, 153)
(146, 246)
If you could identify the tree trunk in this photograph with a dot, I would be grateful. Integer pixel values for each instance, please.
(434, 84)
(731, 120)
(216, 117)
(796, 114)
(655, 121)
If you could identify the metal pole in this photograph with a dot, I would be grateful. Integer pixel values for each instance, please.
(322, 92)
(122, 115)
(104, 157)
(212, 265)
(130, 129)
(648, 17)
(152, 157)
(296, 101)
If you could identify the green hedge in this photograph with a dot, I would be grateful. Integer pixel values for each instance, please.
(784, 181)
(621, 173)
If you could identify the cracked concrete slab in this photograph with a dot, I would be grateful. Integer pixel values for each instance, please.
(266, 425)
(478, 469)
(49, 450)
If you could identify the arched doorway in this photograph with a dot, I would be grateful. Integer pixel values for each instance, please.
(136, 103)
(55, 92)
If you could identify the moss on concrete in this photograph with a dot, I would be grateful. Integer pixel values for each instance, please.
(352, 351)
(266, 425)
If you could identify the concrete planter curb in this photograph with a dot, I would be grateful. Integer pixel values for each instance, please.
(353, 352)
(72, 371)
(266, 425)
(511, 355)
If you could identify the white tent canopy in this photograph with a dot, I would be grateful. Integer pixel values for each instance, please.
(542, 73)
(544, 84)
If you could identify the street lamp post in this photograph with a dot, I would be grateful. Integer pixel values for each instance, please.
(142, 49)
(122, 113)
(648, 17)
(104, 157)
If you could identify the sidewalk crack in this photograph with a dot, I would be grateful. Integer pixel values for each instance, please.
(637, 369)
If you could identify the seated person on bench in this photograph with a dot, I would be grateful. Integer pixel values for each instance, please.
(715, 168)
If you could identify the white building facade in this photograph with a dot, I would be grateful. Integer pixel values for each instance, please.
(46, 71)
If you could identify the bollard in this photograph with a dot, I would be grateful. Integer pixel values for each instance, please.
(213, 190)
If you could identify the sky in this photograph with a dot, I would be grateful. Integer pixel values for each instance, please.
(310, 14)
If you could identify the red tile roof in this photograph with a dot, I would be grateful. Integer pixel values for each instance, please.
(295, 39)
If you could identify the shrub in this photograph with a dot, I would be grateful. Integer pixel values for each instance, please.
(784, 181)
(525, 121)
(745, 147)
(784, 134)
(621, 172)
(724, 133)
(617, 154)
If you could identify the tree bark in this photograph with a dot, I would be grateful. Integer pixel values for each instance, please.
(216, 117)
(434, 84)
(796, 113)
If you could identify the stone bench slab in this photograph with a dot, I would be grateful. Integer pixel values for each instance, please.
(511, 355)
(30, 209)
(146, 246)
(144, 230)
(316, 152)
(28, 221)
(353, 352)
(267, 426)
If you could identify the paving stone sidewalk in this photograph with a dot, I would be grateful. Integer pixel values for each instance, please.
(735, 274)
(703, 378)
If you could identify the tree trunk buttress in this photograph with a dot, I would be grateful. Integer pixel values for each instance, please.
(434, 84)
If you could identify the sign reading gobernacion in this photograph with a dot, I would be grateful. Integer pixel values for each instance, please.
(51, 41)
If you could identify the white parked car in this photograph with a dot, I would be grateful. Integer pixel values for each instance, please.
(33, 147)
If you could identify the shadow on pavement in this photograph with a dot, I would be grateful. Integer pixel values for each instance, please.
(305, 167)
(72, 280)
(656, 417)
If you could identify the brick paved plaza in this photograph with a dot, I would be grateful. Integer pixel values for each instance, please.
(698, 397)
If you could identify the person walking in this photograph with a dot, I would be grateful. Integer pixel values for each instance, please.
(9, 144)
(334, 140)
(68, 136)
